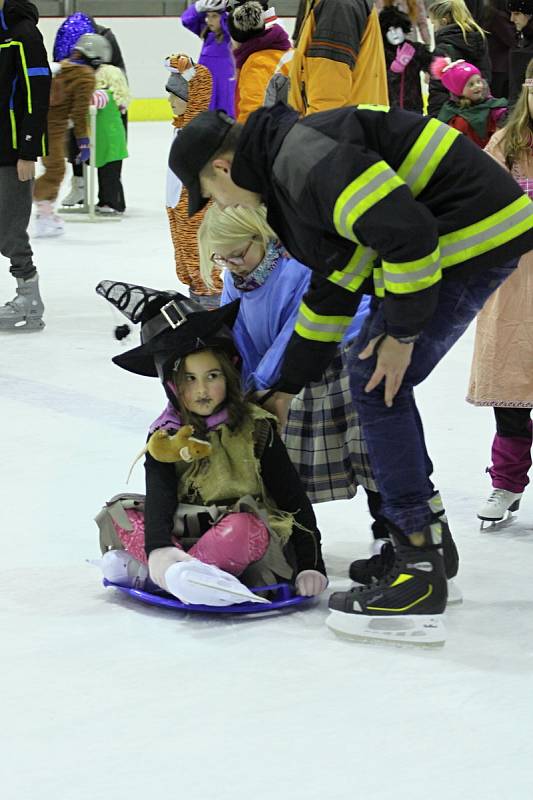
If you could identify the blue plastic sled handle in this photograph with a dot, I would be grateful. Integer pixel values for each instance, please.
(284, 598)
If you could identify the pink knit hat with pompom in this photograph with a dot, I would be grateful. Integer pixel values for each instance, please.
(454, 75)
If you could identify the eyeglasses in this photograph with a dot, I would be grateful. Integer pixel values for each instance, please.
(236, 261)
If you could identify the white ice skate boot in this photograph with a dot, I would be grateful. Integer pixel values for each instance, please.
(120, 567)
(76, 196)
(499, 506)
(25, 312)
(47, 223)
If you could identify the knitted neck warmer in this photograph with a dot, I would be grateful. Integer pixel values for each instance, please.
(171, 419)
(256, 278)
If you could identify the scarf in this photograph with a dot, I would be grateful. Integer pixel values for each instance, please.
(247, 283)
(274, 38)
(171, 420)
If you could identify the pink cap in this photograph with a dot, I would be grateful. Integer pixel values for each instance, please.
(454, 75)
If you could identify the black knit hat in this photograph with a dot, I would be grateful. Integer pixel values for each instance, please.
(246, 21)
(172, 326)
(522, 6)
(391, 17)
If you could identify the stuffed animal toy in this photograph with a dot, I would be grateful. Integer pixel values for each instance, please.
(181, 446)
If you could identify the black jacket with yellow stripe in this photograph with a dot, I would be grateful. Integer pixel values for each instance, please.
(376, 201)
(24, 84)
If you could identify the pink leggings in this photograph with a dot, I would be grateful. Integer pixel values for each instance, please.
(232, 544)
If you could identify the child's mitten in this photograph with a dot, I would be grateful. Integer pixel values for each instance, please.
(404, 54)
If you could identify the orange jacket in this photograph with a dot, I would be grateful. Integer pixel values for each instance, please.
(339, 59)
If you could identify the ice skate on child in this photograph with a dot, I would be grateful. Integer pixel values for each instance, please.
(235, 502)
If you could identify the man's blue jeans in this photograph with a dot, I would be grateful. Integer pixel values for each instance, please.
(395, 436)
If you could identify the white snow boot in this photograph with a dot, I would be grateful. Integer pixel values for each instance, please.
(120, 567)
(499, 506)
(204, 584)
(76, 196)
(46, 222)
(25, 312)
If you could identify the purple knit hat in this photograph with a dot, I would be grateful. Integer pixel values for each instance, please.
(69, 33)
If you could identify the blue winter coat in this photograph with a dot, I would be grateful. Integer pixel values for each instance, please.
(218, 59)
(266, 320)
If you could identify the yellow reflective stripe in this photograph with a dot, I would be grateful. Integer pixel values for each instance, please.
(43, 145)
(412, 276)
(405, 608)
(379, 285)
(319, 327)
(425, 156)
(13, 128)
(356, 270)
(402, 578)
(487, 234)
(371, 107)
(24, 68)
(374, 184)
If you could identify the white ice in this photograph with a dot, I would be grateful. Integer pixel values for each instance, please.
(106, 698)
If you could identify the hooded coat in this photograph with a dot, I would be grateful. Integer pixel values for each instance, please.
(24, 84)
(449, 41)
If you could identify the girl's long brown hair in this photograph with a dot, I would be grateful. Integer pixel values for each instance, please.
(518, 134)
(235, 403)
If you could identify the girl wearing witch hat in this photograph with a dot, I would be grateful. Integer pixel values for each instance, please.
(227, 495)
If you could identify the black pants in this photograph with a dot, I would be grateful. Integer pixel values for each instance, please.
(110, 191)
(513, 422)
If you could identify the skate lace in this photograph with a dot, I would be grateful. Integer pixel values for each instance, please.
(389, 569)
(496, 496)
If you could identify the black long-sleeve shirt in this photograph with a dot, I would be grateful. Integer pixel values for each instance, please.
(281, 482)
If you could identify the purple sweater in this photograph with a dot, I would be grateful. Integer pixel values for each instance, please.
(217, 57)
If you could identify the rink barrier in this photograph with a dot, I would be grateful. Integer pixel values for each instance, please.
(149, 109)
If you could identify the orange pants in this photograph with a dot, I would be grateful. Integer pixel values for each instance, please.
(184, 232)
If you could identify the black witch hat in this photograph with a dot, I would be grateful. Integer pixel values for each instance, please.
(172, 326)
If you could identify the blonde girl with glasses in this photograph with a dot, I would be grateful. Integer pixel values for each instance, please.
(457, 35)
(501, 374)
(322, 435)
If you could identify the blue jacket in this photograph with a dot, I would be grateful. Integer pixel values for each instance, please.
(266, 320)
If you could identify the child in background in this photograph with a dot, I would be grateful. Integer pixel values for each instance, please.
(405, 60)
(470, 108)
(72, 91)
(239, 506)
(189, 92)
(501, 374)
(457, 35)
(415, 11)
(258, 50)
(112, 100)
(208, 19)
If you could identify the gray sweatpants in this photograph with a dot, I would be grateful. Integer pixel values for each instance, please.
(15, 211)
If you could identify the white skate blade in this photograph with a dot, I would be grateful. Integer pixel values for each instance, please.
(490, 525)
(414, 629)
(246, 596)
(455, 595)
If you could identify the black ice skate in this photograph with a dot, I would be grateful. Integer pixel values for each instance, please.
(405, 606)
(368, 571)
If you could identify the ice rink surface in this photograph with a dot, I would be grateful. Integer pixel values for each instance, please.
(105, 698)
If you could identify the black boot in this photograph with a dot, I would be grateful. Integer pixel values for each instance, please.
(406, 604)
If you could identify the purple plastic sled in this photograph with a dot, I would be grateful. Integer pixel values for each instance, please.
(284, 597)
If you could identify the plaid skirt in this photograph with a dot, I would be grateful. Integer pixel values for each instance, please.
(324, 439)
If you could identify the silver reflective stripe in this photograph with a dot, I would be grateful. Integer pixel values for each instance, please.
(321, 327)
(363, 258)
(422, 159)
(300, 152)
(458, 247)
(413, 276)
(366, 190)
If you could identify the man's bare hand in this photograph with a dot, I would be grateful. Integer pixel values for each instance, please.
(25, 170)
(393, 360)
(279, 404)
